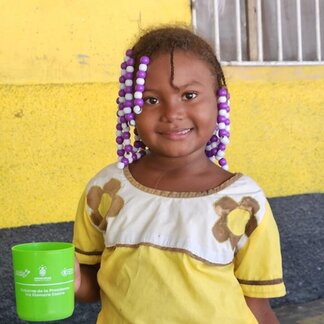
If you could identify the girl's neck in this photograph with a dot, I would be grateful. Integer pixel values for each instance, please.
(178, 174)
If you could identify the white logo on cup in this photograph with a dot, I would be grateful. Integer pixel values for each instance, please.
(22, 273)
(42, 270)
(66, 272)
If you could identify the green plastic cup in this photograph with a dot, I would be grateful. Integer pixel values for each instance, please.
(44, 280)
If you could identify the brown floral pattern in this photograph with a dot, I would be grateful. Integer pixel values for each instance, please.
(104, 202)
(235, 219)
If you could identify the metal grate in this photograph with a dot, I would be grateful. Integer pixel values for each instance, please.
(260, 34)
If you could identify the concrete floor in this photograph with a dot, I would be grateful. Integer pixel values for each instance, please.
(301, 224)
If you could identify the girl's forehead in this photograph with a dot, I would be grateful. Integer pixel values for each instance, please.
(180, 65)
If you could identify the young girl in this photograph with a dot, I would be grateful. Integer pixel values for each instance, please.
(165, 235)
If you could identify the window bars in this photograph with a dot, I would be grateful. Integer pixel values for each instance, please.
(251, 27)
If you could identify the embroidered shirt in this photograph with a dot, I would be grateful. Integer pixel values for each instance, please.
(178, 257)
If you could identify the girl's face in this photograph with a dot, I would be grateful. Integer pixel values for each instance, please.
(178, 117)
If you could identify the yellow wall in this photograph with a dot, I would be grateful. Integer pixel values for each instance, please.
(58, 65)
(277, 127)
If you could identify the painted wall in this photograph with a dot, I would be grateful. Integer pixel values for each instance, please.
(59, 63)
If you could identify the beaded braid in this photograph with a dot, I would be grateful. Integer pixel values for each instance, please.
(215, 148)
(130, 102)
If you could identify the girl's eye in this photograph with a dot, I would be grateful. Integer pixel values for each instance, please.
(189, 95)
(151, 101)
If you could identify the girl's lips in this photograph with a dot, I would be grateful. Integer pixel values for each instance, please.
(176, 134)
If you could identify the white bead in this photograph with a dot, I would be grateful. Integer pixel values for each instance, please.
(138, 95)
(121, 86)
(126, 58)
(118, 133)
(137, 109)
(222, 99)
(130, 69)
(138, 155)
(126, 141)
(225, 167)
(208, 147)
(128, 96)
(225, 140)
(121, 99)
(227, 114)
(124, 125)
(221, 153)
(129, 83)
(214, 144)
(140, 81)
(228, 128)
(120, 113)
(123, 72)
(132, 122)
(127, 110)
(120, 146)
(221, 125)
(222, 112)
(142, 67)
(120, 165)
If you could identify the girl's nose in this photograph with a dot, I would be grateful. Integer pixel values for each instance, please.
(172, 111)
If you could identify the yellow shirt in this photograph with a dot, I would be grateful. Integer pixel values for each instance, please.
(178, 257)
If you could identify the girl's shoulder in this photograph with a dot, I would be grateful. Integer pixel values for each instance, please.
(108, 172)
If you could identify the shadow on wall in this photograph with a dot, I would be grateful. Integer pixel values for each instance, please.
(300, 221)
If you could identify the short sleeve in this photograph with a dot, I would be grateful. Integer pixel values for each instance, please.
(258, 265)
(87, 238)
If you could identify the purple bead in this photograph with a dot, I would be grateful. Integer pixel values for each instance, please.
(141, 74)
(214, 151)
(121, 93)
(139, 102)
(142, 152)
(130, 117)
(130, 62)
(221, 147)
(209, 153)
(122, 79)
(122, 119)
(123, 65)
(222, 105)
(222, 91)
(125, 135)
(145, 60)
(119, 140)
(119, 127)
(222, 132)
(138, 144)
(222, 162)
(128, 148)
(125, 161)
(129, 52)
(128, 103)
(128, 89)
(120, 152)
(227, 121)
(139, 88)
(121, 106)
(214, 138)
(221, 119)
(129, 75)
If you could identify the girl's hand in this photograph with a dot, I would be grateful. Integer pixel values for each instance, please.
(86, 288)
(77, 275)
